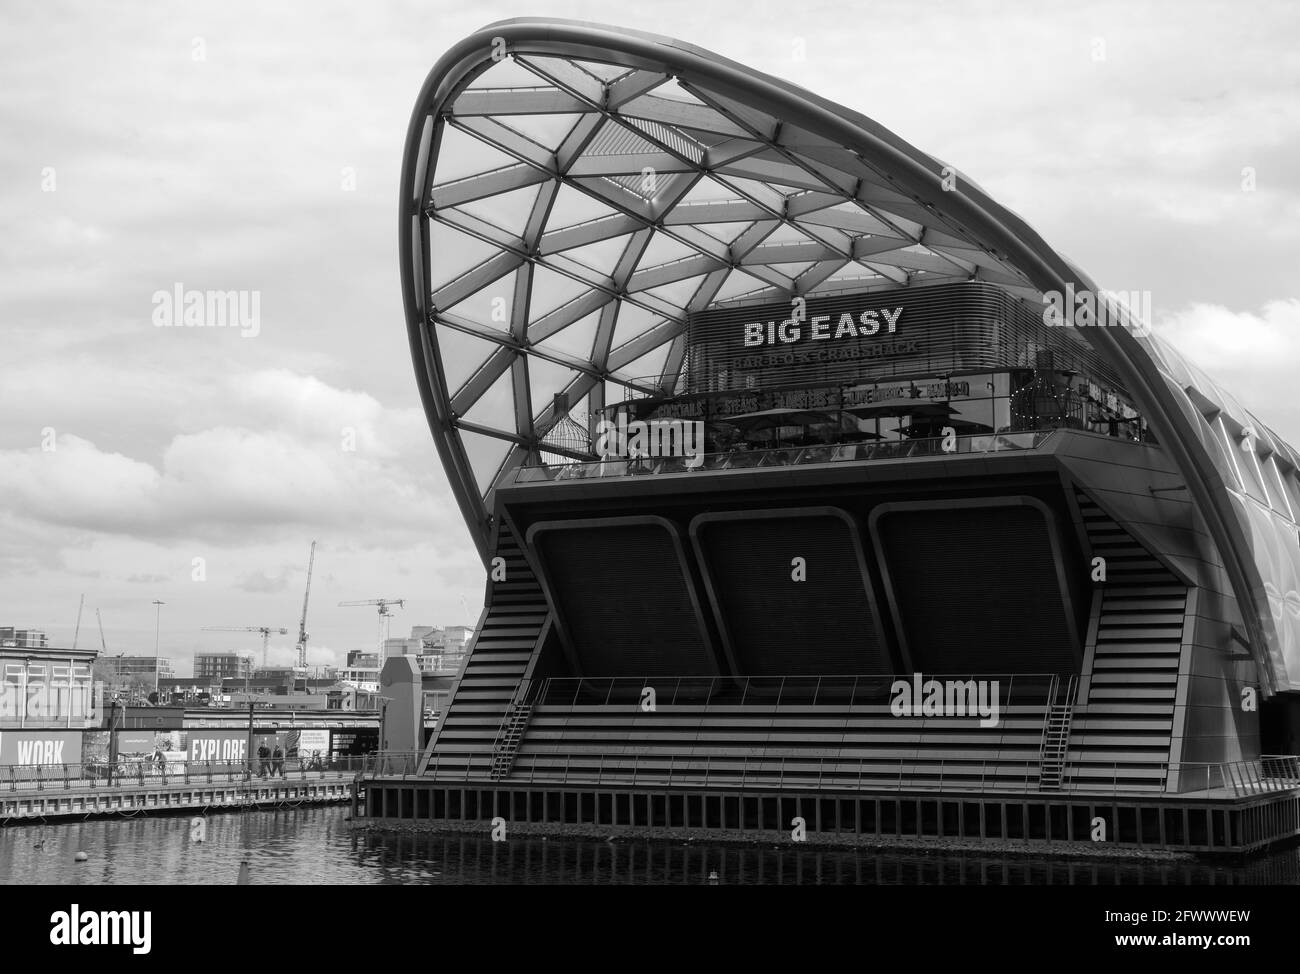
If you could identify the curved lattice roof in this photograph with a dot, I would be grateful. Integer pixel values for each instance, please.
(571, 193)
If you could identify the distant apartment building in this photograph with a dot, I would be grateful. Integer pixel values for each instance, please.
(216, 667)
(437, 650)
(125, 667)
(11, 638)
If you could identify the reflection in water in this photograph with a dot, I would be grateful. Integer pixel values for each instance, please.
(316, 845)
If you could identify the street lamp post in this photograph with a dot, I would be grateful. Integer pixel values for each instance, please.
(156, 627)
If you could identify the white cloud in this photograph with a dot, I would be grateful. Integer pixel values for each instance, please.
(1253, 355)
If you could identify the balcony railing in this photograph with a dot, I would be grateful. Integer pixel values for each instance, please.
(1013, 689)
(1238, 779)
(784, 457)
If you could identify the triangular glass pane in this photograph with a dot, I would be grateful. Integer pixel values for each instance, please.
(757, 191)
(662, 249)
(738, 283)
(496, 407)
(633, 321)
(791, 270)
(785, 233)
(453, 253)
(506, 73)
(849, 275)
(707, 190)
(490, 306)
(509, 211)
(461, 154)
(485, 456)
(672, 90)
(545, 379)
(576, 339)
(551, 291)
(602, 256)
(573, 206)
(648, 366)
(545, 130)
(607, 72)
(461, 355)
(726, 232)
(678, 293)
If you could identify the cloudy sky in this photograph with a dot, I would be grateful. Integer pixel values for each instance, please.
(256, 147)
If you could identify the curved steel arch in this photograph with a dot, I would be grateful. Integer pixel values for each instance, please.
(946, 235)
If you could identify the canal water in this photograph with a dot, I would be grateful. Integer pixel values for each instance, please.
(318, 846)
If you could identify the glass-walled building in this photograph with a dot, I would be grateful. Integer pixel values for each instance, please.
(757, 422)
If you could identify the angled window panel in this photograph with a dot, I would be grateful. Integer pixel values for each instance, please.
(509, 211)
(485, 454)
(633, 321)
(564, 74)
(505, 73)
(618, 195)
(548, 131)
(679, 293)
(495, 407)
(664, 249)
(601, 257)
(739, 284)
(604, 70)
(517, 100)
(558, 238)
(781, 175)
(462, 355)
(563, 317)
(576, 339)
(652, 279)
(545, 380)
(573, 207)
(649, 366)
(454, 253)
(667, 111)
(552, 290)
(462, 155)
(490, 306)
(623, 357)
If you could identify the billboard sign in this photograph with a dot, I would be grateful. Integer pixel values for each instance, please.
(30, 748)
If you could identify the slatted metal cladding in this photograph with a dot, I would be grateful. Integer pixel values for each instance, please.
(977, 590)
(777, 626)
(623, 601)
(941, 329)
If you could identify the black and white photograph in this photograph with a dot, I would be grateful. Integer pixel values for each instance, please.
(574, 444)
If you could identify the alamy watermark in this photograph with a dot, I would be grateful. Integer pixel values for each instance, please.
(948, 698)
(208, 309)
(641, 438)
(73, 927)
(1087, 309)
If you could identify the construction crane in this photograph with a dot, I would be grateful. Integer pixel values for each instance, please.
(101, 632)
(384, 616)
(264, 630)
(302, 624)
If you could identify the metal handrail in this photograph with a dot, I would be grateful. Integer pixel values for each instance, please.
(840, 452)
(722, 691)
(1239, 778)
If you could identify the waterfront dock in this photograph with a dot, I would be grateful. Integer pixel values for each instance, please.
(52, 796)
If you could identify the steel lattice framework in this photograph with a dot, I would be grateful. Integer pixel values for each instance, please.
(572, 193)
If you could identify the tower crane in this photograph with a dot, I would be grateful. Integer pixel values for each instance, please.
(264, 630)
(302, 625)
(384, 616)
